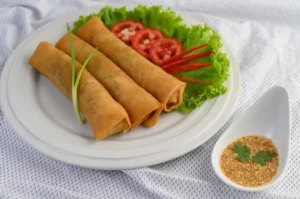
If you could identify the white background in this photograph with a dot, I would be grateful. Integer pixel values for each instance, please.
(264, 37)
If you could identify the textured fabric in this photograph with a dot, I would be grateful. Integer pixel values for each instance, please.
(264, 37)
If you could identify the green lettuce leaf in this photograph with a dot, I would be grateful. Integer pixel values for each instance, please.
(111, 16)
(82, 20)
(165, 20)
(195, 94)
(171, 24)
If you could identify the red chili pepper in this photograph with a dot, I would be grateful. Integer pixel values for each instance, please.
(188, 59)
(188, 67)
(177, 57)
(184, 79)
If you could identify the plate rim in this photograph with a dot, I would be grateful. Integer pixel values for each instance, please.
(46, 150)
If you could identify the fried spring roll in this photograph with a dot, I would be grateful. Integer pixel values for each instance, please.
(103, 113)
(138, 103)
(163, 86)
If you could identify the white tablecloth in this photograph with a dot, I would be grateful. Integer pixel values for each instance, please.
(264, 36)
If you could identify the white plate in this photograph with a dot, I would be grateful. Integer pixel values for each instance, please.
(44, 118)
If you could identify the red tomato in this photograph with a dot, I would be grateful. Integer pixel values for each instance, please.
(164, 49)
(142, 40)
(124, 30)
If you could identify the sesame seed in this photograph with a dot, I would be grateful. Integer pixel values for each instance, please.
(249, 174)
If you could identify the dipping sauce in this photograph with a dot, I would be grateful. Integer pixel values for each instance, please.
(250, 161)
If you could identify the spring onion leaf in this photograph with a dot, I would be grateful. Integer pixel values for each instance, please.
(74, 92)
(83, 66)
(76, 79)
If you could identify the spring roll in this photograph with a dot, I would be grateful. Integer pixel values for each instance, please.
(138, 103)
(103, 113)
(164, 87)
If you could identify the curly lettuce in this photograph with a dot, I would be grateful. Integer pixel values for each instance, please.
(171, 24)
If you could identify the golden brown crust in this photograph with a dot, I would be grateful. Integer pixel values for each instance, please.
(104, 114)
(137, 102)
(150, 77)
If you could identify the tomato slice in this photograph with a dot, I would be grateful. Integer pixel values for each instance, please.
(164, 49)
(124, 30)
(142, 40)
